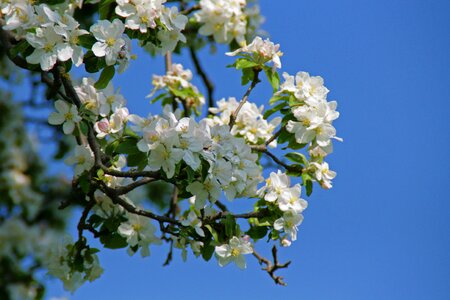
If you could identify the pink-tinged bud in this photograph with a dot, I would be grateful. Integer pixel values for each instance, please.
(102, 125)
(246, 238)
(285, 242)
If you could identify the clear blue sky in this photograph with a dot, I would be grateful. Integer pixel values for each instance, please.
(383, 231)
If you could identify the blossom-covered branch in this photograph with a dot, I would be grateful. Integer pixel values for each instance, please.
(184, 162)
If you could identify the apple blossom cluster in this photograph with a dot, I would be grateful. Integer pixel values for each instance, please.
(223, 19)
(177, 83)
(20, 239)
(314, 115)
(312, 120)
(145, 15)
(54, 36)
(231, 166)
(279, 192)
(250, 123)
(202, 161)
(261, 52)
(101, 102)
(71, 264)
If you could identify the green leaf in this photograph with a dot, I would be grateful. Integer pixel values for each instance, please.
(113, 241)
(207, 252)
(309, 187)
(84, 127)
(296, 170)
(284, 136)
(158, 97)
(95, 220)
(137, 159)
(86, 41)
(273, 78)
(111, 148)
(273, 110)
(92, 64)
(190, 174)
(247, 76)
(105, 9)
(257, 232)
(243, 63)
(84, 184)
(308, 183)
(230, 225)
(93, 250)
(297, 157)
(19, 48)
(213, 232)
(277, 98)
(105, 77)
(127, 146)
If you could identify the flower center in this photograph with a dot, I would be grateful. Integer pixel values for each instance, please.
(235, 252)
(136, 227)
(48, 47)
(110, 42)
(68, 116)
(306, 122)
(144, 19)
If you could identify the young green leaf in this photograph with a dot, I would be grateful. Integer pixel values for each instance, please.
(105, 77)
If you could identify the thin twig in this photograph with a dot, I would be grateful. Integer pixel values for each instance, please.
(173, 207)
(273, 137)
(84, 215)
(263, 149)
(206, 81)
(190, 10)
(272, 267)
(245, 97)
(169, 255)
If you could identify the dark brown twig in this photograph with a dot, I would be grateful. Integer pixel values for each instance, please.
(271, 267)
(206, 81)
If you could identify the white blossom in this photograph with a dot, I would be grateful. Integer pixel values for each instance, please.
(83, 158)
(49, 47)
(193, 221)
(139, 231)
(166, 158)
(234, 251)
(323, 174)
(263, 51)
(288, 223)
(249, 124)
(66, 114)
(111, 43)
(89, 96)
(223, 19)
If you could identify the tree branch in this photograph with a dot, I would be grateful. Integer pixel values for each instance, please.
(116, 199)
(5, 39)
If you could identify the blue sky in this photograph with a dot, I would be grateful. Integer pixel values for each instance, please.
(383, 231)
